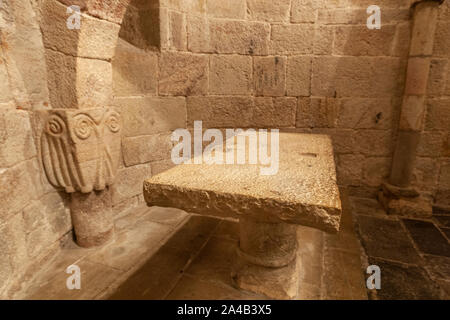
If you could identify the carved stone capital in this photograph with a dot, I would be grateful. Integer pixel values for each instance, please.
(80, 148)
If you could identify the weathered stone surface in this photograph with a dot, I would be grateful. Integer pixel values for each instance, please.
(374, 142)
(143, 149)
(359, 40)
(355, 76)
(274, 113)
(267, 10)
(146, 116)
(189, 6)
(304, 10)
(317, 112)
(437, 77)
(219, 112)
(438, 114)
(292, 39)
(16, 138)
(110, 10)
(129, 182)
(228, 36)
(376, 170)
(173, 30)
(230, 74)
(427, 237)
(349, 169)
(323, 40)
(425, 16)
(270, 76)
(233, 9)
(183, 74)
(362, 113)
(95, 38)
(441, 45)
(412, 114)
(298, 76)
(135, 71)
(239, 189)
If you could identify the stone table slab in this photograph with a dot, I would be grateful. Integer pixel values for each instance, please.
(303, 191)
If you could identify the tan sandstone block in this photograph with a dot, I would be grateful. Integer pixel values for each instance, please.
(323, 40)
(146, 116)
(441, 43)
(230, 74)
(143, 149)
(376, 170)
(269, 10)
(317, 112)
(377, 143)
(402, 40)
(363, 113)
(426, 174)
(220, 112)
(270, 76)
(183, 74)
(359, 40)
(95, 39)
(111, 10)
(304, 10)
(438, 114)
(5, 90)
(190, 6)
(18, 188)
(198, 34)
(423, 31)
(431, 144)
(274, 113)
(355, 76)
(298, 76)
(16, 137)
(349, 169)
(135, 71)
(129, 182)
(292, 39)
(417, 76)
(437, 77)
(173, 30)
(233, 9)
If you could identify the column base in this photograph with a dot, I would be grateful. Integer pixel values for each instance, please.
(276, 283)
(92, 218)
(405, 202)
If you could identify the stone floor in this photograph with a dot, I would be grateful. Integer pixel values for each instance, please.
(168, 254)
(413, 254)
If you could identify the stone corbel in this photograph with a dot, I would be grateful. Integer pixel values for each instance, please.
(80, 151)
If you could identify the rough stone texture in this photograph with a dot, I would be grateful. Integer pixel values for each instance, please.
(270, 76)
(233, 9)
(183, 74)
(135, 71)
(212, 189)
(143, 149)
(298, 76)
(267, 10)
(129, 182)
(274, 113)
(146, 116)
(92, 218)
(230, 74)
(292, 39)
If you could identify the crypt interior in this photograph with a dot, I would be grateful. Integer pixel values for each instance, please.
(92, 92)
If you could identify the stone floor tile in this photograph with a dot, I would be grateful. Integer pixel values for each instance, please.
(169, 216)
(192, 288)
(427, 237)
(438, 267)
(441, 210)
(342, 276)
(94, 279)
(369, 207)
(194, 233)
(215, 261)
(400, 281)
(156, 277)
(446, 231)
(128, 246)
(442, 220)
(386, 239)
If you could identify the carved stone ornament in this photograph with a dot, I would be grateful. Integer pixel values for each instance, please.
(80, 148)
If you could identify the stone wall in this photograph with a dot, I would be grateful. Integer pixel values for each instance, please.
(33, 215)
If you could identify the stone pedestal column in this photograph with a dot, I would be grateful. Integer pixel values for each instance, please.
(80, 151)
(92, 217)
(267, 259)
(397, 196)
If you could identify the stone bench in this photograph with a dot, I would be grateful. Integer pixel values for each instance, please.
(302, 192)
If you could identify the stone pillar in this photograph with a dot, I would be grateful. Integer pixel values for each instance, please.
(80, 152)
(397, 196)
(92, 217)
(267, 259)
